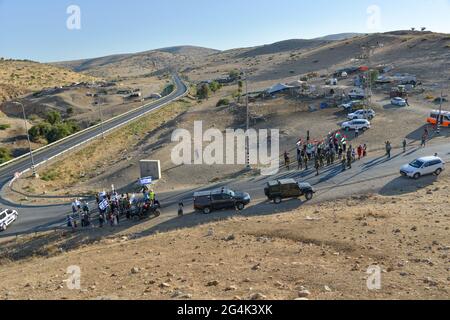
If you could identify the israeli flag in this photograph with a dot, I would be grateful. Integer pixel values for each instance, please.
(146, 181)
(103, 205)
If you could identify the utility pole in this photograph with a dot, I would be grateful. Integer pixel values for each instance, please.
(33, 165)
(439, 122)
(247, 138)
(101, 118)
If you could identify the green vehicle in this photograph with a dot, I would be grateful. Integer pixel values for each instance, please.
(278, 190)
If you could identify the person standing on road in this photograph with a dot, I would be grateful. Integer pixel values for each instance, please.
(344, 164)
(349, 157)
(424, 141)
(287, 161)
(388, 149)
(365, 150)
(404, 145)
(360, 151)
(317, 166)
(152, 197)
(299, 162)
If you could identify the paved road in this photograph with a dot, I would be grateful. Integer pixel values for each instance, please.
(33, 217)
(374, 174)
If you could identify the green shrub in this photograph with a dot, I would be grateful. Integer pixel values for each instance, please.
(4, 126)
(50, 175)
(168, 90)
(53, 117)
(223, 102)
(5, 155)
(215, 86)
(203, 91)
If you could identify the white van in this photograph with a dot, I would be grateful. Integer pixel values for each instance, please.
(357, 94)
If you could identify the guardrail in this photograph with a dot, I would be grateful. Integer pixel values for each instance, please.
(97, 126)
(94, 127)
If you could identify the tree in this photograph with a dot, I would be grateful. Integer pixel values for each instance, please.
(423, 29)
(374, 74)
(168, 90)
(413, 29)
(240, 87)
(58, 131)
(215, 86)
(39, 131)
(53, 117)
(204, 91)
(223, 102)
(233, 74)
(5, 155)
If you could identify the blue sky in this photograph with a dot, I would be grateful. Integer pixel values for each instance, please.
(37, 30)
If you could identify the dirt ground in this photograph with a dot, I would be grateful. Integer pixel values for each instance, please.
(325, 249)
(85, 108)
(92, 170)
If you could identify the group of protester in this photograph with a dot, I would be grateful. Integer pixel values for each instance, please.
(111, 207)
(325, 153)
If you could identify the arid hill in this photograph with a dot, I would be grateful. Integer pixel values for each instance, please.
(139, 64)
(18, 77)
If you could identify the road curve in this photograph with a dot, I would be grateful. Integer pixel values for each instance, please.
(33, 217)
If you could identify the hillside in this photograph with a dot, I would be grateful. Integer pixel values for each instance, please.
(139, 64)
(321, 252)
(283, 46)
(339, 36)
(18, 77)
(422, 53)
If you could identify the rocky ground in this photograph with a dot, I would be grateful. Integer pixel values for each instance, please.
(320, 251)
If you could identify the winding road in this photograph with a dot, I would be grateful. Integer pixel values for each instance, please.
(38, 217)
(374, 174)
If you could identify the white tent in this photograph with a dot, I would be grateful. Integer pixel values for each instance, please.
(277, 88)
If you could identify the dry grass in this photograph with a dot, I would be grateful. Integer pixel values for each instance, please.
(101, 154)
(407, 236)
(18, 77)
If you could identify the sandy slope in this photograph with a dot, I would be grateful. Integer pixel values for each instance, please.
(325, 249)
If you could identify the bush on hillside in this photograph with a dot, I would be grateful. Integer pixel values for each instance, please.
(223, 102)
(5, 155)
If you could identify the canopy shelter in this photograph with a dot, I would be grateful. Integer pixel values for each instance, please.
(278, 88)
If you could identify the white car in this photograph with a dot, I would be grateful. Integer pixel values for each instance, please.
(399, 102)
(359, 124)
(7, 217)
(362, 114)
(422, 167)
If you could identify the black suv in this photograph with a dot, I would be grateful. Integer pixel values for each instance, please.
(278, 190)
(208, 201)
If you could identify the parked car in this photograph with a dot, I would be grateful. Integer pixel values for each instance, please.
(362, 114)
(220, 199)
(359, 124)
(357, 93)
(349, 106)
(278, 190)
(423, 166)
(7, 217)
(399, 102)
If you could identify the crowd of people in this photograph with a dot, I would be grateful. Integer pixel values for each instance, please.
(335, 148)
(111, 208)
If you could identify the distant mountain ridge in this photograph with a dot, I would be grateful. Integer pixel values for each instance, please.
(339, 36)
